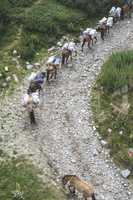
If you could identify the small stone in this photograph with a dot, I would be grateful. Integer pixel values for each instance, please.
(8, 78)
(94, 128)
(121, 133)
(14, 52)
(95, 152)
(6, 69)
(37, 64)
(4, 85)
(15, 78)
(103, 143)
(125, 173)
(109, 130)
(27, 63)
(29, 66)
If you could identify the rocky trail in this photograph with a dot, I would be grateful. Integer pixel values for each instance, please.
(65, 137)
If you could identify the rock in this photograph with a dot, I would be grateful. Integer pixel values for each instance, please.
(29, 66)
(37, 64)
(15, 78)
(27, 63)
(121, 133)
(4, 85)
(14, 52)
(95, 152)
(103, 143)
(109, 130)
(125, 173)
(6, 69)
(94, 128)
(8, 78)
(59, 44)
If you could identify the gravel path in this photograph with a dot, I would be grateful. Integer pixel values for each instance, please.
(65, 137)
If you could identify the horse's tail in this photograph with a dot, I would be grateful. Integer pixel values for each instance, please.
(93, 197)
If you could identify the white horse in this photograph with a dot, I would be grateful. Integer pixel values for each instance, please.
(93, 33)
(30, 102)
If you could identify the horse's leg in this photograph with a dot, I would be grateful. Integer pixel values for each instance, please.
(51, 74)
(108, 29)
(63, 59)
(93, 197)
(92, 41)
(95, 39)
(89, 42)
(47, 75)
(55, 72)
(85, 196)
(32, 117)
(102, 34)
(67, 57)
(83, 44)
(71, 189)
(71, 56)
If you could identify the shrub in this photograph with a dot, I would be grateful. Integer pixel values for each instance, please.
(117, 71)
(21, 3)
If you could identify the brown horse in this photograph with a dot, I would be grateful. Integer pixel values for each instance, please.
(103, 29)
(75, 183)
(126, 11)
(87, 39)
(30, 106)
(66, 53)
(51, 71)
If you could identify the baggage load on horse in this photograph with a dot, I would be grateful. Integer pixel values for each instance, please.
(36, 82)
(40, 77)
(57, 60)
(118, 12)
(112, 12)
(54, 60)
(32, 98)
(86, 32)
(72, 46)
(110, 21)
(35, 98)
(50, 60)
(103, 21)
(93, 32)
(65, 46)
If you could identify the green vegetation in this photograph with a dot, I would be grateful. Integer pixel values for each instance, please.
(19, 181)
(92, 7)
(112, 105)
(30, 26)
(117, 72)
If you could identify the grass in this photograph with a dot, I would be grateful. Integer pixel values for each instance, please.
(33, 26)
(109, 104)
(19, 175)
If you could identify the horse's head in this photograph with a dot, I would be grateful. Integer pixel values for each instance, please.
(65, 180)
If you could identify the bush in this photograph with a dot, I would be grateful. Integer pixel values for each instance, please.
(21, 3)
(117, 71)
